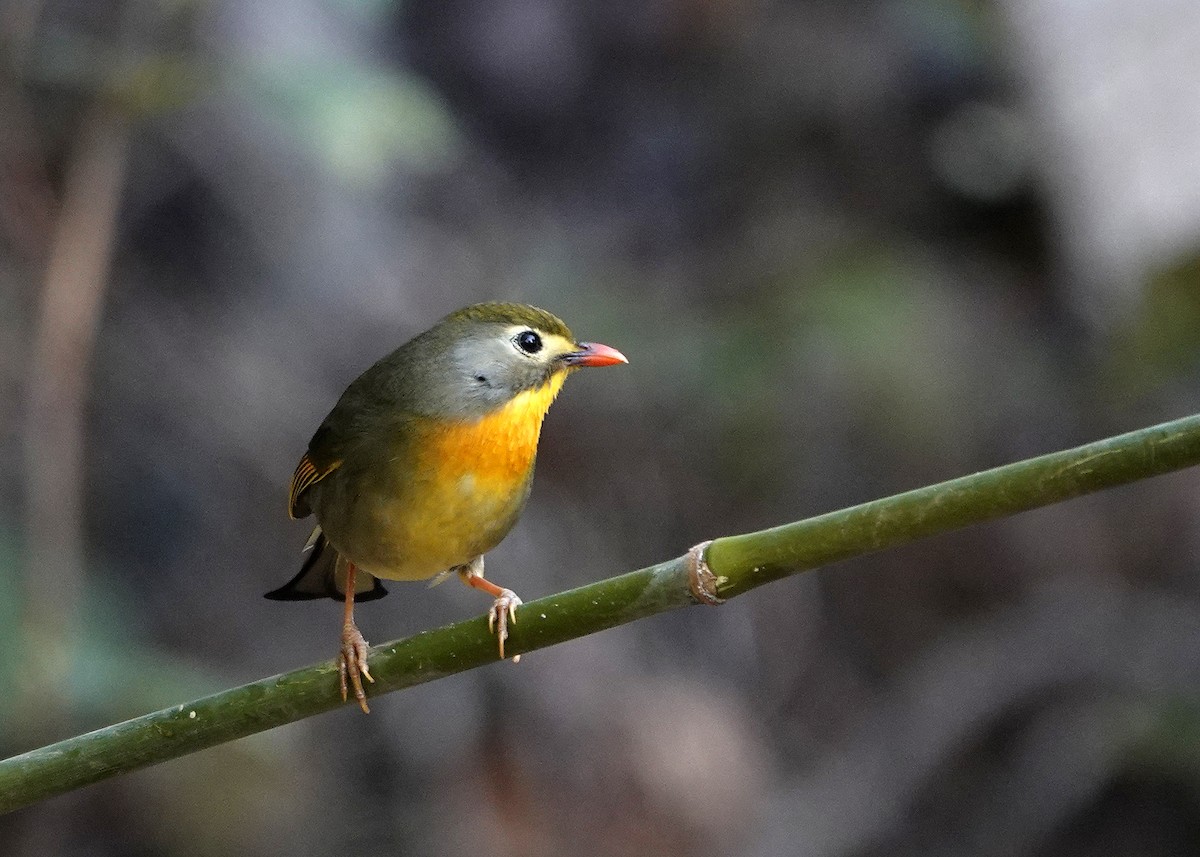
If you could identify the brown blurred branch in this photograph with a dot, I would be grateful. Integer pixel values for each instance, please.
(69, 313)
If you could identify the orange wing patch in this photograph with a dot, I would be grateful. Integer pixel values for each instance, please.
(306, 475)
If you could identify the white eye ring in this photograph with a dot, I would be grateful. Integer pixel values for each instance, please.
(528, 342)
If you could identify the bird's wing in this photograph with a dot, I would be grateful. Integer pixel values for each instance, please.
(308, 473)
(370, 408)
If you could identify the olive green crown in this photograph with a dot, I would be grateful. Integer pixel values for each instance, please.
(509, 313)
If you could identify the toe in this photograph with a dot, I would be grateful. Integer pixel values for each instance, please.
(500, 614)
(362, 666)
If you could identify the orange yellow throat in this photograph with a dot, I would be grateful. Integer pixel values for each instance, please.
(496, 450)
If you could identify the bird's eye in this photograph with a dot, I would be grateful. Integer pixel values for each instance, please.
(529, 342)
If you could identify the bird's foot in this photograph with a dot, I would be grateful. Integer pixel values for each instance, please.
(504, 610)
(352, 664)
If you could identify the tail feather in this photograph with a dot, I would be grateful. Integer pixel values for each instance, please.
(319, 577)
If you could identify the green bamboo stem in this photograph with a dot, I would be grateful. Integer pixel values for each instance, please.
(741, 563)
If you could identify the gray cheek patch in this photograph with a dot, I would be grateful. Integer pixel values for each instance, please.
(481, 379)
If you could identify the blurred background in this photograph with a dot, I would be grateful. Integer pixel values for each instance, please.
(849, 248)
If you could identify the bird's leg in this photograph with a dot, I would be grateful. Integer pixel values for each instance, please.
(352, 659)
(504, 609)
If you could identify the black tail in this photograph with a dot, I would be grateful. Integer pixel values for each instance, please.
(318, 577)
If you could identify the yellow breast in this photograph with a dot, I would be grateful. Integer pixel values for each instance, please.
(468, 483)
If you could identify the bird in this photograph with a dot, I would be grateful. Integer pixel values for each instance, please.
(426, 461)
